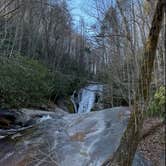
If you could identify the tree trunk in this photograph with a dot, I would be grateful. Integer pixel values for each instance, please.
(129, 142)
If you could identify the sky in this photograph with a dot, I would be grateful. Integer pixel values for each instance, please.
(79, 10)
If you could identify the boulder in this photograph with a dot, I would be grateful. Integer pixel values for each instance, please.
(86, 139)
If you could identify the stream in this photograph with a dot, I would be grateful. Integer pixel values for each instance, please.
(86, 98)
(62, 139)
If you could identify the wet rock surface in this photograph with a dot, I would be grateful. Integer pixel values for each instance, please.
(12, 119)
(86, 139)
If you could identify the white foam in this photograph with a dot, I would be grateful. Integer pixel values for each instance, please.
(45, 117)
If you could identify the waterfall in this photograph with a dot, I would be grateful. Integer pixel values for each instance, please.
(84, 100)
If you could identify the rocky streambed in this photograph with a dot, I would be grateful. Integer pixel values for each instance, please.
(62, 139)
(57, 138)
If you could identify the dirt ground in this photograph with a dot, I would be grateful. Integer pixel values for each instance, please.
(153, 144)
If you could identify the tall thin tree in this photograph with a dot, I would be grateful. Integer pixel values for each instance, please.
(130, 140)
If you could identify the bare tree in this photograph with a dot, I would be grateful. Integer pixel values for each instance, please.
(125, 152)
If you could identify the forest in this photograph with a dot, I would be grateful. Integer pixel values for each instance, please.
(82, 83)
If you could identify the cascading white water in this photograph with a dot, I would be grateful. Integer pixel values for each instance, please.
(86, 97)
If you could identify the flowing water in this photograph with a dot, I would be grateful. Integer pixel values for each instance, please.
(84, 101)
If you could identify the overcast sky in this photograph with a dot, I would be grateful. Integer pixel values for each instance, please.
(79, 9)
